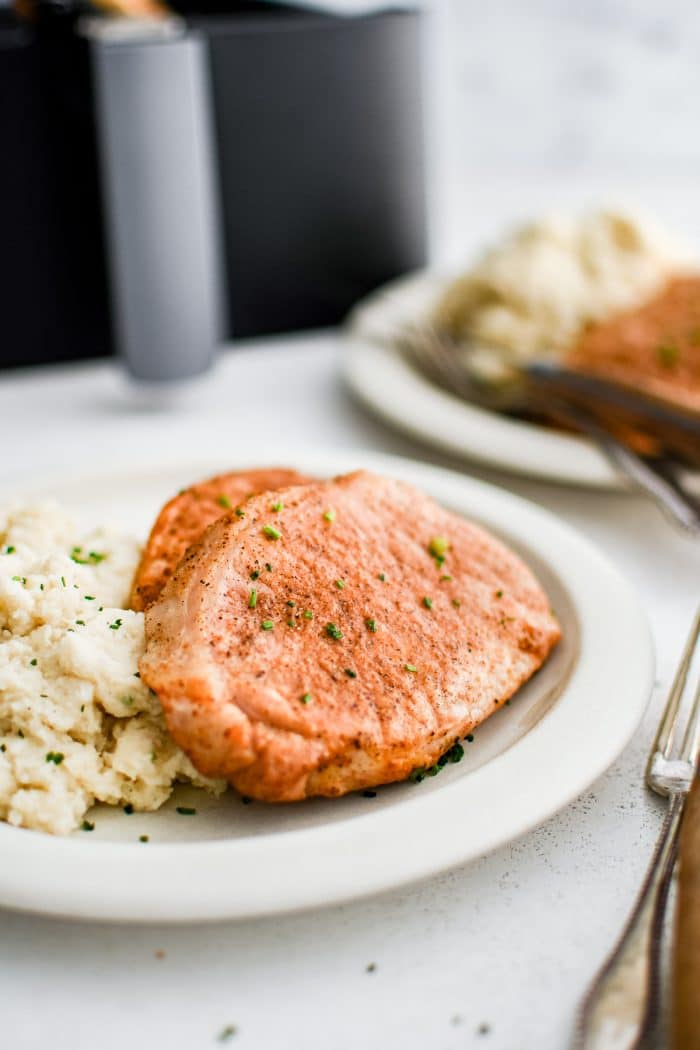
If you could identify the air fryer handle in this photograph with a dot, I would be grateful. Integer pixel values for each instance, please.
(161, 198)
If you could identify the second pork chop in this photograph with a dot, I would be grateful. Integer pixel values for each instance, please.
(341, 640)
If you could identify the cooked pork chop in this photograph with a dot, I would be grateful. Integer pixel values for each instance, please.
(341, 641)
(185, 517)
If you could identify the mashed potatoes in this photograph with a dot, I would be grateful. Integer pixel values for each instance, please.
(77, 725)
(533, 294)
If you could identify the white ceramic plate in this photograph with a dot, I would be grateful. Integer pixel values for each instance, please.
(388, 384)
(531, 758)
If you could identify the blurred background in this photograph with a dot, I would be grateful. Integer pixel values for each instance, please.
(220, 170)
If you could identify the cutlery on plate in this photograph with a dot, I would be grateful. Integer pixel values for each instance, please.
(620, 1006)
(584, 403)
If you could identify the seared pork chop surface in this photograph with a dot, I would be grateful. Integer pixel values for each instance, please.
(185, 517)
(341, 640)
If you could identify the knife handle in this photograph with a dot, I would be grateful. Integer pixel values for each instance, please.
(685, 1009)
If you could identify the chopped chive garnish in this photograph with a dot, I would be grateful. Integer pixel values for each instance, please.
(499, 594)
(89, 597)
(93, 558)
(87, 825)
(267, 625)
(224, 502)
(63, 581)
(268, 566)
(185, 811)
(334, 632)
(55, 756)
(33, 662)
(428, 603)
(456, 602)
(291, 604)
(277, 507)
(371, 625)
(340, 584)
(254, 574)
(667, 355)
(10, 550)
(291, 623)
(253, 599)
(306, 698)
(410, 668)
(446, 578)
(81, 622)
(469, 738)
(439, 546)
(128, 809)
(350, 673)
(329, 515)
(382, 577)
(308, 615)
(239, 512)
(271, 532)
(115, 626)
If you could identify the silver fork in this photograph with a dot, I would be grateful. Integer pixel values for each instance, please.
(620, 1006)
(433, 351)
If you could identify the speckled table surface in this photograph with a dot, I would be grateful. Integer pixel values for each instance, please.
(494, 954)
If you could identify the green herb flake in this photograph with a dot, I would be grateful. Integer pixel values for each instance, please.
(93, 558)
(33, 662)
(267, 625)
(456, 602)
(128, 809)
(81, 623)
(10, 550)
(224, 502)
(667, 355)
(252, 598)
(371, 626)
(268, 566)
(411, 668)
(226, 1033)
(87, 825)
(277, 507)
(446, 578)
(340, 584)
(116, 625)
(186, 811)
(382, 576)
(350, 673)
(469, 738)
(306, 698)
(239, 512)
(254, 574)
(55, 756)
(499, 594)
(89, 597)
(63, 581)
(329, 515)
(334, 632)
(428, 602)
(308, 615)
(438, 547)
(291, 623)
(271, 532)
(143, 838)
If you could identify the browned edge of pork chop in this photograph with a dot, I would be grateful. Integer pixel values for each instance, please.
(185, 517)
(338, 636)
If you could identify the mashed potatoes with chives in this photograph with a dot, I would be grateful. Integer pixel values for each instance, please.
(533, 294)
(77, 725)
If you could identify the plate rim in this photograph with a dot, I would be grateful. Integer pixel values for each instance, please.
(353, 858)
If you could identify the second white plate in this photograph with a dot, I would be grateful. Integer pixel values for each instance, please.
(388, 384)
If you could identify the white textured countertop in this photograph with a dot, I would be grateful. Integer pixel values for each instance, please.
(495, 954)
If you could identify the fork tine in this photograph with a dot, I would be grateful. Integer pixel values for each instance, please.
(691, 737)
(663, 740)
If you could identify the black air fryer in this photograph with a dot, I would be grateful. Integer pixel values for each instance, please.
(243, 172)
